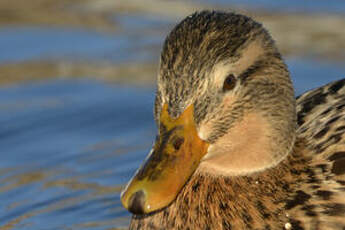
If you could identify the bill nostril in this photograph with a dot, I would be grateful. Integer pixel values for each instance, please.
(178, 142)
(137, 203)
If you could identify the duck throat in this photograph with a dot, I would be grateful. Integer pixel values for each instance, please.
(255, 201)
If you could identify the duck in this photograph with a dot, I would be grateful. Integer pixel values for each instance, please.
(235, 148)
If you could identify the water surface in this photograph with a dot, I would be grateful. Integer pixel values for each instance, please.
(67, 148)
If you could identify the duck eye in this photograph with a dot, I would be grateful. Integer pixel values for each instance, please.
(229, 83)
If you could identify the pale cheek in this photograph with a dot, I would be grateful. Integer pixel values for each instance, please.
(244, 149)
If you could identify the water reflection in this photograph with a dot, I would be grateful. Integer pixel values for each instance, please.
(63, 165)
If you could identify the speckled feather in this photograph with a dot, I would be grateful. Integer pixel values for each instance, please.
(306, 190)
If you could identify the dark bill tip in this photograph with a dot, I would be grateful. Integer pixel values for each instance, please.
(137, 203)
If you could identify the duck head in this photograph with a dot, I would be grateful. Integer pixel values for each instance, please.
(224, 106)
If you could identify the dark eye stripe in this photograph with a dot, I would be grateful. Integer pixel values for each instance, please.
(251, 70)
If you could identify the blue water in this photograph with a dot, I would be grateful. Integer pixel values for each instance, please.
(309, 74)
(23, 43)
(67, 147)
(32, 43)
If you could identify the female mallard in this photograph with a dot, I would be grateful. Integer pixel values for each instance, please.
(232, 152)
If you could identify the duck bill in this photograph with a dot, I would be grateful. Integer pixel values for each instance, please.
(173, 159)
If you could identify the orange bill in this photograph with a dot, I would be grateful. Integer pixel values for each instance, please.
(173, 159)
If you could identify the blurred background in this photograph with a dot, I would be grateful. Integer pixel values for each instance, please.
(77, 83)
